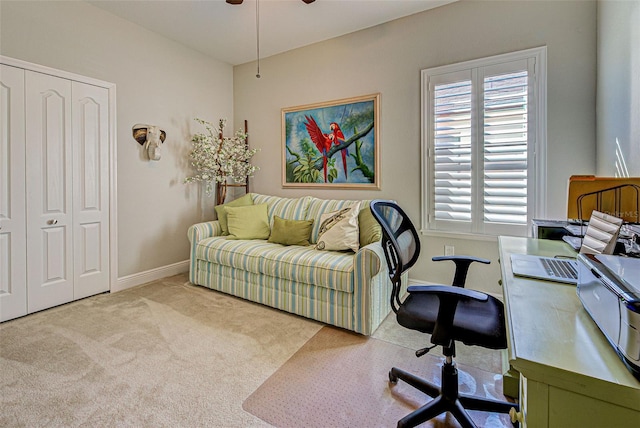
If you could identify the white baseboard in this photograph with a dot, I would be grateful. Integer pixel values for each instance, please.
(150, 275)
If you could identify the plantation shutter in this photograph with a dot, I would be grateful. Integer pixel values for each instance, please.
(480, 130)
(505, 146)
(452, 151)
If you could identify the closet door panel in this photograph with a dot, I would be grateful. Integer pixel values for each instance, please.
(91, 189)
(49, 191)
(13, 271)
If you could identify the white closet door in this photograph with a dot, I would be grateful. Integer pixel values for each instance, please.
(13, 283)
(90, 189)
(49, 191)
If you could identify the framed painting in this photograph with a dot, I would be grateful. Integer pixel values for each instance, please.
(334, 144)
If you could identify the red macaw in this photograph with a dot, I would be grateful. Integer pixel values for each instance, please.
(320, 139)
(338, 138)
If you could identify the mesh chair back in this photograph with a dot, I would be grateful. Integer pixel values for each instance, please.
(400, 242)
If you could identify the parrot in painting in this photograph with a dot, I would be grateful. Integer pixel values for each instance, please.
(321, 140)
(338, 138)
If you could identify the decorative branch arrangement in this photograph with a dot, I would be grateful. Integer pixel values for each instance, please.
(216, 158)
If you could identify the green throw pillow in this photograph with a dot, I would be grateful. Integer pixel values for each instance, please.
(222, 214)
(370, 230)
(249, 222)
(290, 232)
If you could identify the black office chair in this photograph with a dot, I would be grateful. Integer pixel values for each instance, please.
(448, 313)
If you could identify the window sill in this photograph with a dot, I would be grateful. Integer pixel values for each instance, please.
(459, 235)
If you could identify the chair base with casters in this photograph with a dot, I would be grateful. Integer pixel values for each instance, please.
(446, 398)
(448, 313)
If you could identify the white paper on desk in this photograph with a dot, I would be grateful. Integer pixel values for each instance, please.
(602, 234)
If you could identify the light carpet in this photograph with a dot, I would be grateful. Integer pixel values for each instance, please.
(166, 354)
(340, 379)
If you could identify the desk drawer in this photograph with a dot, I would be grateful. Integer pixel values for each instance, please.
(534, 403)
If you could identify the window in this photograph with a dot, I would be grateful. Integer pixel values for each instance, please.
(484, 132)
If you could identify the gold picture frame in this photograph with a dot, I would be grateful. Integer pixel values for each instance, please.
(333, 144)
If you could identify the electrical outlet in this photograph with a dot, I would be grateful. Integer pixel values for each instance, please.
(449, 250)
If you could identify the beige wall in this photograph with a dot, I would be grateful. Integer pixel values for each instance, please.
(388, 59)
(618, 99)
(161, 82)
(158, 82)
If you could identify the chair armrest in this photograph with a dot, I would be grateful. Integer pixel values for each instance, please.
(455, 292)
(454, 258)
(462, 266)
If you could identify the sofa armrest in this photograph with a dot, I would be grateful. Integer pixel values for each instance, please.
(369, 260)
(371, 288)
(200, 231)
(197, 233)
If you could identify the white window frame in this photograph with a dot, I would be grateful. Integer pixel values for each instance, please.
(537, 145)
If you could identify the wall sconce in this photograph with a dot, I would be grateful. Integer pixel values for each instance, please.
(151, 137)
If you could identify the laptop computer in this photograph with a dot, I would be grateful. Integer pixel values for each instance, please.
(546, 268)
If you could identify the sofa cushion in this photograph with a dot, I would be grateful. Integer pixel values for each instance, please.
(222, 213)
(287, 208)
(317, 207)
(339, 230)
(290, 232)
(327, 269)
(250, 222)
(369, 228)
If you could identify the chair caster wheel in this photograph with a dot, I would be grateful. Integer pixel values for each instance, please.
(393, 378)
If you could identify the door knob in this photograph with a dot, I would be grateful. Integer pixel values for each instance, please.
(50, 222)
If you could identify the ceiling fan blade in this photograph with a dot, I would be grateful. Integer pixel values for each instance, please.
(240, 1)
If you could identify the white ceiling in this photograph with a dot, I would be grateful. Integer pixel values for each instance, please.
(228, 32)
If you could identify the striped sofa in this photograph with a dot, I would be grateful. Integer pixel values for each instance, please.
(345, 289)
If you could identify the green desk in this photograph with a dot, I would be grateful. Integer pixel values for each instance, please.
(570, 376)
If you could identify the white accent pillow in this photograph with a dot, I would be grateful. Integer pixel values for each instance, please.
(339, 230)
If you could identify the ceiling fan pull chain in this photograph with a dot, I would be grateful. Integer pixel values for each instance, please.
(236, 2)
(258, 35)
